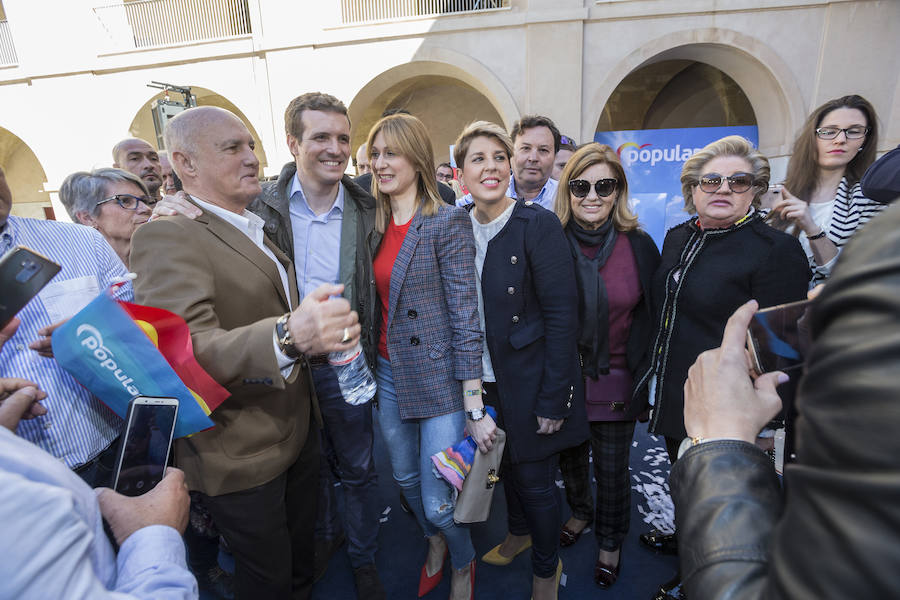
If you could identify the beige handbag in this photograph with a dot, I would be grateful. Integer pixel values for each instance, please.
(473, 505)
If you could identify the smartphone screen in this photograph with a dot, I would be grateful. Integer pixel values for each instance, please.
(778, 338)
(145, 446)
(23, 272)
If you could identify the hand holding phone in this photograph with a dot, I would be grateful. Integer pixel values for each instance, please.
(23, 273)
(145, 446)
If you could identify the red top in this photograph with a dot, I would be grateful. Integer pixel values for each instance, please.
(623, 290)
(382, 267)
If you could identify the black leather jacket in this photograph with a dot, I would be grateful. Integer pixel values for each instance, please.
(836, 531)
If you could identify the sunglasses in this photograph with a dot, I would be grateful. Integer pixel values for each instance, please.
(128, 201)
(738, 182)
(580, 188)
(851, 133)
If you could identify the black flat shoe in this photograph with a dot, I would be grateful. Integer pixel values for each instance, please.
(567, 537)
(660, 541)
(671, 590)
(606, 575)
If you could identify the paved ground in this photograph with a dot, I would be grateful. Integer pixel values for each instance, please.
(402, 548)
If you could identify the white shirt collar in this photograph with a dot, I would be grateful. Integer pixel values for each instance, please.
(246, 222)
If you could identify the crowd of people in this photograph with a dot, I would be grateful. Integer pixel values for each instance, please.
(520, 281)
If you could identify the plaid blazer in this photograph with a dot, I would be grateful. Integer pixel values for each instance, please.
(434, 337)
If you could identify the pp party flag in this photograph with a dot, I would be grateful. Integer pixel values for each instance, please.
(109, 354)
(172, 336)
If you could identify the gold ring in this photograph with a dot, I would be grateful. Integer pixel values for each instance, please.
(346, 337)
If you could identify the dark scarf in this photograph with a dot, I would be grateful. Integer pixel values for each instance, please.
(593, 342)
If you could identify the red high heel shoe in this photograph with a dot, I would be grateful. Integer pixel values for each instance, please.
(428, 583)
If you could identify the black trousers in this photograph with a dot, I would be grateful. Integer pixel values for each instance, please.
(270, 529)
(532, 499)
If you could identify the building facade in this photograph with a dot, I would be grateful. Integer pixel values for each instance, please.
(74, 74)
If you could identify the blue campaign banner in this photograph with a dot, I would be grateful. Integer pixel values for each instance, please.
(106, 352)
(652, 159)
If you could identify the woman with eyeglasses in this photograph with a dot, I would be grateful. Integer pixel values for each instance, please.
(112, 201)
(821, 202)
(527, 304)
(614, 263)
(711, 264)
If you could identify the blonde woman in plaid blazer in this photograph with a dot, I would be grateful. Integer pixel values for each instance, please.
(430, 340)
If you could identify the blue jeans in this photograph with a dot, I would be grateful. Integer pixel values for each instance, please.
(410, 444)
(347, 439)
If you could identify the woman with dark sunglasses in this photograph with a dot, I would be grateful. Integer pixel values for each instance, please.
(112, 201)
(614, 263)
(530, 366)
(821, 202)
(711, 264)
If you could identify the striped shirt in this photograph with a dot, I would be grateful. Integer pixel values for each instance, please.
(851, 211)
(77, 425)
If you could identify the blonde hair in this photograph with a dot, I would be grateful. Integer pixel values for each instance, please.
(587, 156)
(480, 129)
(406, 136)
(733, 145)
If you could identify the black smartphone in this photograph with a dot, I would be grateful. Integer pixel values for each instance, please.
(145, 446)
(778, 338)
(23, 273)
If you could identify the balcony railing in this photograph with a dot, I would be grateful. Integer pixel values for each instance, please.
(360, 11)
(7, 48)
(153, 23)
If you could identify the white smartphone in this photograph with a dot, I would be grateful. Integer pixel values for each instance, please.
(145, 446)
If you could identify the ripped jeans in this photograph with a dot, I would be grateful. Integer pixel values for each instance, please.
(410, 444)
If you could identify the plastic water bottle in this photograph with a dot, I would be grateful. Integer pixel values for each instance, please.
(353, 374)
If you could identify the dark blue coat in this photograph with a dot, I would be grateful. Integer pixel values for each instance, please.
(531, 320)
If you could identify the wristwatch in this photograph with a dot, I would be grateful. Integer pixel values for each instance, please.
(687, 443)
(285, 341)
(476, 414)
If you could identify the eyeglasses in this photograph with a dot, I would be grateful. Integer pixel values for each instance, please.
(128, 201)
(851, 133)
(738, 182)
(580, 188)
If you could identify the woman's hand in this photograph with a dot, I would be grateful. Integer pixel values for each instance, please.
(793, 209)
(483, 431)
(547, 426)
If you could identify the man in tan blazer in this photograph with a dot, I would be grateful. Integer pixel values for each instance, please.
(257, 468)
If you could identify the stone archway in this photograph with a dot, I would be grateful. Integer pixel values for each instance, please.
(26, 177)
(142, 124)
(760, 73)
(445, 95)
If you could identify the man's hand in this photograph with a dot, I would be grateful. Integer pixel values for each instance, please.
(10, 330)
(720, 399)
(166, 504)
(19, 400)
(547, 426)
(176, 204)
(318, 325)
(44, 346)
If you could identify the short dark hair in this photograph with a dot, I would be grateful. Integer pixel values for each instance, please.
(445, 164)
(532, 121)
(310, 101)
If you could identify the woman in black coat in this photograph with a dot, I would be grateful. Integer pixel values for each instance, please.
(711, 265)
(614, 263)
(531, 373)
